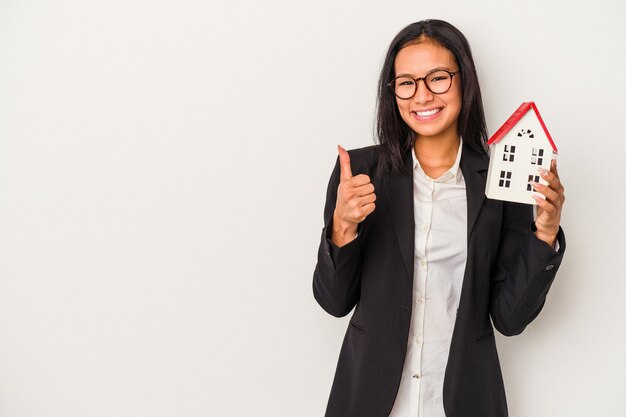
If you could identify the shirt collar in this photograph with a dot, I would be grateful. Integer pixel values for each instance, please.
(453, 172)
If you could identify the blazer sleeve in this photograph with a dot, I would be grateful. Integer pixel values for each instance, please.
(524, 271)
(337, 276)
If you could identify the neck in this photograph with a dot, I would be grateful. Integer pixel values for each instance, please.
(436, 155)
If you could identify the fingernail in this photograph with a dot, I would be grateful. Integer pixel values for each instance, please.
(542, 171)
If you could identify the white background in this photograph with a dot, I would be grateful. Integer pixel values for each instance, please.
(163, 167)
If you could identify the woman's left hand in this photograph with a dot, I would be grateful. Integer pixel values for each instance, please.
(549, 210)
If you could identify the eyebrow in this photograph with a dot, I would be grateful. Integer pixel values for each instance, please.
(431, 71)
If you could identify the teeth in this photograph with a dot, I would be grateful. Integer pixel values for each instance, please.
(427, 113)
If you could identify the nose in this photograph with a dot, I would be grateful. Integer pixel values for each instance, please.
(422, 94)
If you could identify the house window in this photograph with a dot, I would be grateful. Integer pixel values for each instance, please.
(505, 179)
(525, 133)
(534, 178)
(537, 157)
(509, 153)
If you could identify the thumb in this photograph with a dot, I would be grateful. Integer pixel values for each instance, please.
(344, 164)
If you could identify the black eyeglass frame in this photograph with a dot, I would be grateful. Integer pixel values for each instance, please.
(450, 73)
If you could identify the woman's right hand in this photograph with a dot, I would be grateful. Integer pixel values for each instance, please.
(355, 201)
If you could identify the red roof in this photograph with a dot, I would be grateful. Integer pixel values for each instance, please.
(515, 117)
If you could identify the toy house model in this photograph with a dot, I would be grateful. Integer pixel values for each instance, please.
(516, 150)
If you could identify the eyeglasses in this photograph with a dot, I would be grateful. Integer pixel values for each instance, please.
(437, 81)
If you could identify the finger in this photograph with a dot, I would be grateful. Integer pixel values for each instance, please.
(553, 168)
(368, 209)
(352, 191)
(553, 181)
(360, 180)
(549, 193)
(364, 190)
(344, 164)
(360, 207)
(365, 200)
(545, 205)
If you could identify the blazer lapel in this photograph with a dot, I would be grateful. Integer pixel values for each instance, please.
(474, 167)
(399, 192)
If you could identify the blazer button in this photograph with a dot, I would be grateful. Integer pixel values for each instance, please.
(549, 267)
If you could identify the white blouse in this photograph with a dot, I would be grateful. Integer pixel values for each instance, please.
(440, 210)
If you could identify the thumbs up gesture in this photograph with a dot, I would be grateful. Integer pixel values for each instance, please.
(355, 201)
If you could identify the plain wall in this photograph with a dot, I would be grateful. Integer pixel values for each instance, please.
(163, 167)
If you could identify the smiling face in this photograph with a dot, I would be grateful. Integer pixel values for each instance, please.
(429, 115)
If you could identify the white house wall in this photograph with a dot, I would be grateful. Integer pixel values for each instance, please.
(521, 166)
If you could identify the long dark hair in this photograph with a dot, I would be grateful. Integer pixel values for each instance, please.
(393, 134)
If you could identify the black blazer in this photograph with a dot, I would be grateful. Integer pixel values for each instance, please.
(507, 277)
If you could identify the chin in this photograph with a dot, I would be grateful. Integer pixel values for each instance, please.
(431, 129)
(426, 131)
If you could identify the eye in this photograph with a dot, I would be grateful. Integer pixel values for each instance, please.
(438, 76)
(405, 81)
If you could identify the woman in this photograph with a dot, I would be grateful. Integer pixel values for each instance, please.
(428, 261)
